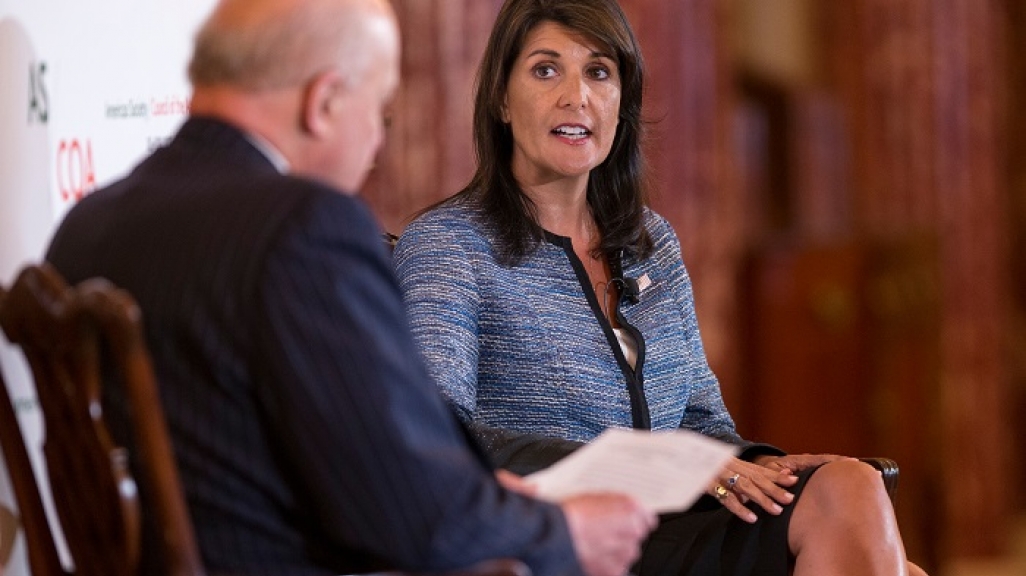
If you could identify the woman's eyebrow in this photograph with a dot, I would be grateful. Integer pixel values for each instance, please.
(553, 54)
(544, 52)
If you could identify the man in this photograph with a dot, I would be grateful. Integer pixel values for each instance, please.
(308, 436)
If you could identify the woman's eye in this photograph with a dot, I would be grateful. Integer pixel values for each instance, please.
(544, 71)
(599, 73)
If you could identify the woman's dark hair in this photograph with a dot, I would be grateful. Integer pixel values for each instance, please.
(616, 191)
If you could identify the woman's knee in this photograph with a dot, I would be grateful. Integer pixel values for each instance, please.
(846, 483)
(840, 497)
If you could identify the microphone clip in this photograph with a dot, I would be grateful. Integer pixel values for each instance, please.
(630, 288)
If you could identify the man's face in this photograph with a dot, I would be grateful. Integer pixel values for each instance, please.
(361, 127)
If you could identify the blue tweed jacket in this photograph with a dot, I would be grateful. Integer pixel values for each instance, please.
(524, 353)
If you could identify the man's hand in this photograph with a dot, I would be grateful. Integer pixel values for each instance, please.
(607, 530)
(511, 481)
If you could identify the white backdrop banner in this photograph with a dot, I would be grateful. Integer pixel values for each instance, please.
(86, 90)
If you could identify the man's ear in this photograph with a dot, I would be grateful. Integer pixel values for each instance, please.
(321, 100)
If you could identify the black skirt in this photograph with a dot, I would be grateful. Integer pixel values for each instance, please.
(709, 540)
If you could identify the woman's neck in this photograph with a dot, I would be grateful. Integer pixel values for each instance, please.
(562, 208)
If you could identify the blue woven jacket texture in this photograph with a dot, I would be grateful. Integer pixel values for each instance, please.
(521, 349)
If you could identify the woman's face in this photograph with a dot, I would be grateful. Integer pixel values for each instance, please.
(562, 103)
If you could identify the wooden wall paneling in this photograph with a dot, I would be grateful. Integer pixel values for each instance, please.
(973, 232)
(764, 150)
(880, 54)
(885, 69)
(820, 150)
(806, 334)
(1015, 105)
(902, 296)
(920, 78)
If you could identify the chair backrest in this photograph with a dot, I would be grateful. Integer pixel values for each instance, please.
(63, 331)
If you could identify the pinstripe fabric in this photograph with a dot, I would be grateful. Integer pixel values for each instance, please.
(309, 438)
(520, 351)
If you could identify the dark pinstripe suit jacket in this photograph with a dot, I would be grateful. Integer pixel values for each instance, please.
(308, 435)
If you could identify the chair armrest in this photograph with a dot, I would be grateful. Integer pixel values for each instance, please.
(889, 473)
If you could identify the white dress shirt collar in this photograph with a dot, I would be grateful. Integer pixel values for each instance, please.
(270, 152)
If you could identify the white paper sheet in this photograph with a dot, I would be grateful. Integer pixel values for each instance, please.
(664, 471)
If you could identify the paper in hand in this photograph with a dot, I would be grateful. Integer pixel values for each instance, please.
(665, 471)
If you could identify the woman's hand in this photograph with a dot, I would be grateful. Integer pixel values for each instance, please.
(763, 481)
(741, 482)
(798, 462)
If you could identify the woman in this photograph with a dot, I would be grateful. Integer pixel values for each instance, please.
(551, 304)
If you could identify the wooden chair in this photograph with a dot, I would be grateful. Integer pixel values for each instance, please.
(63, 332)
